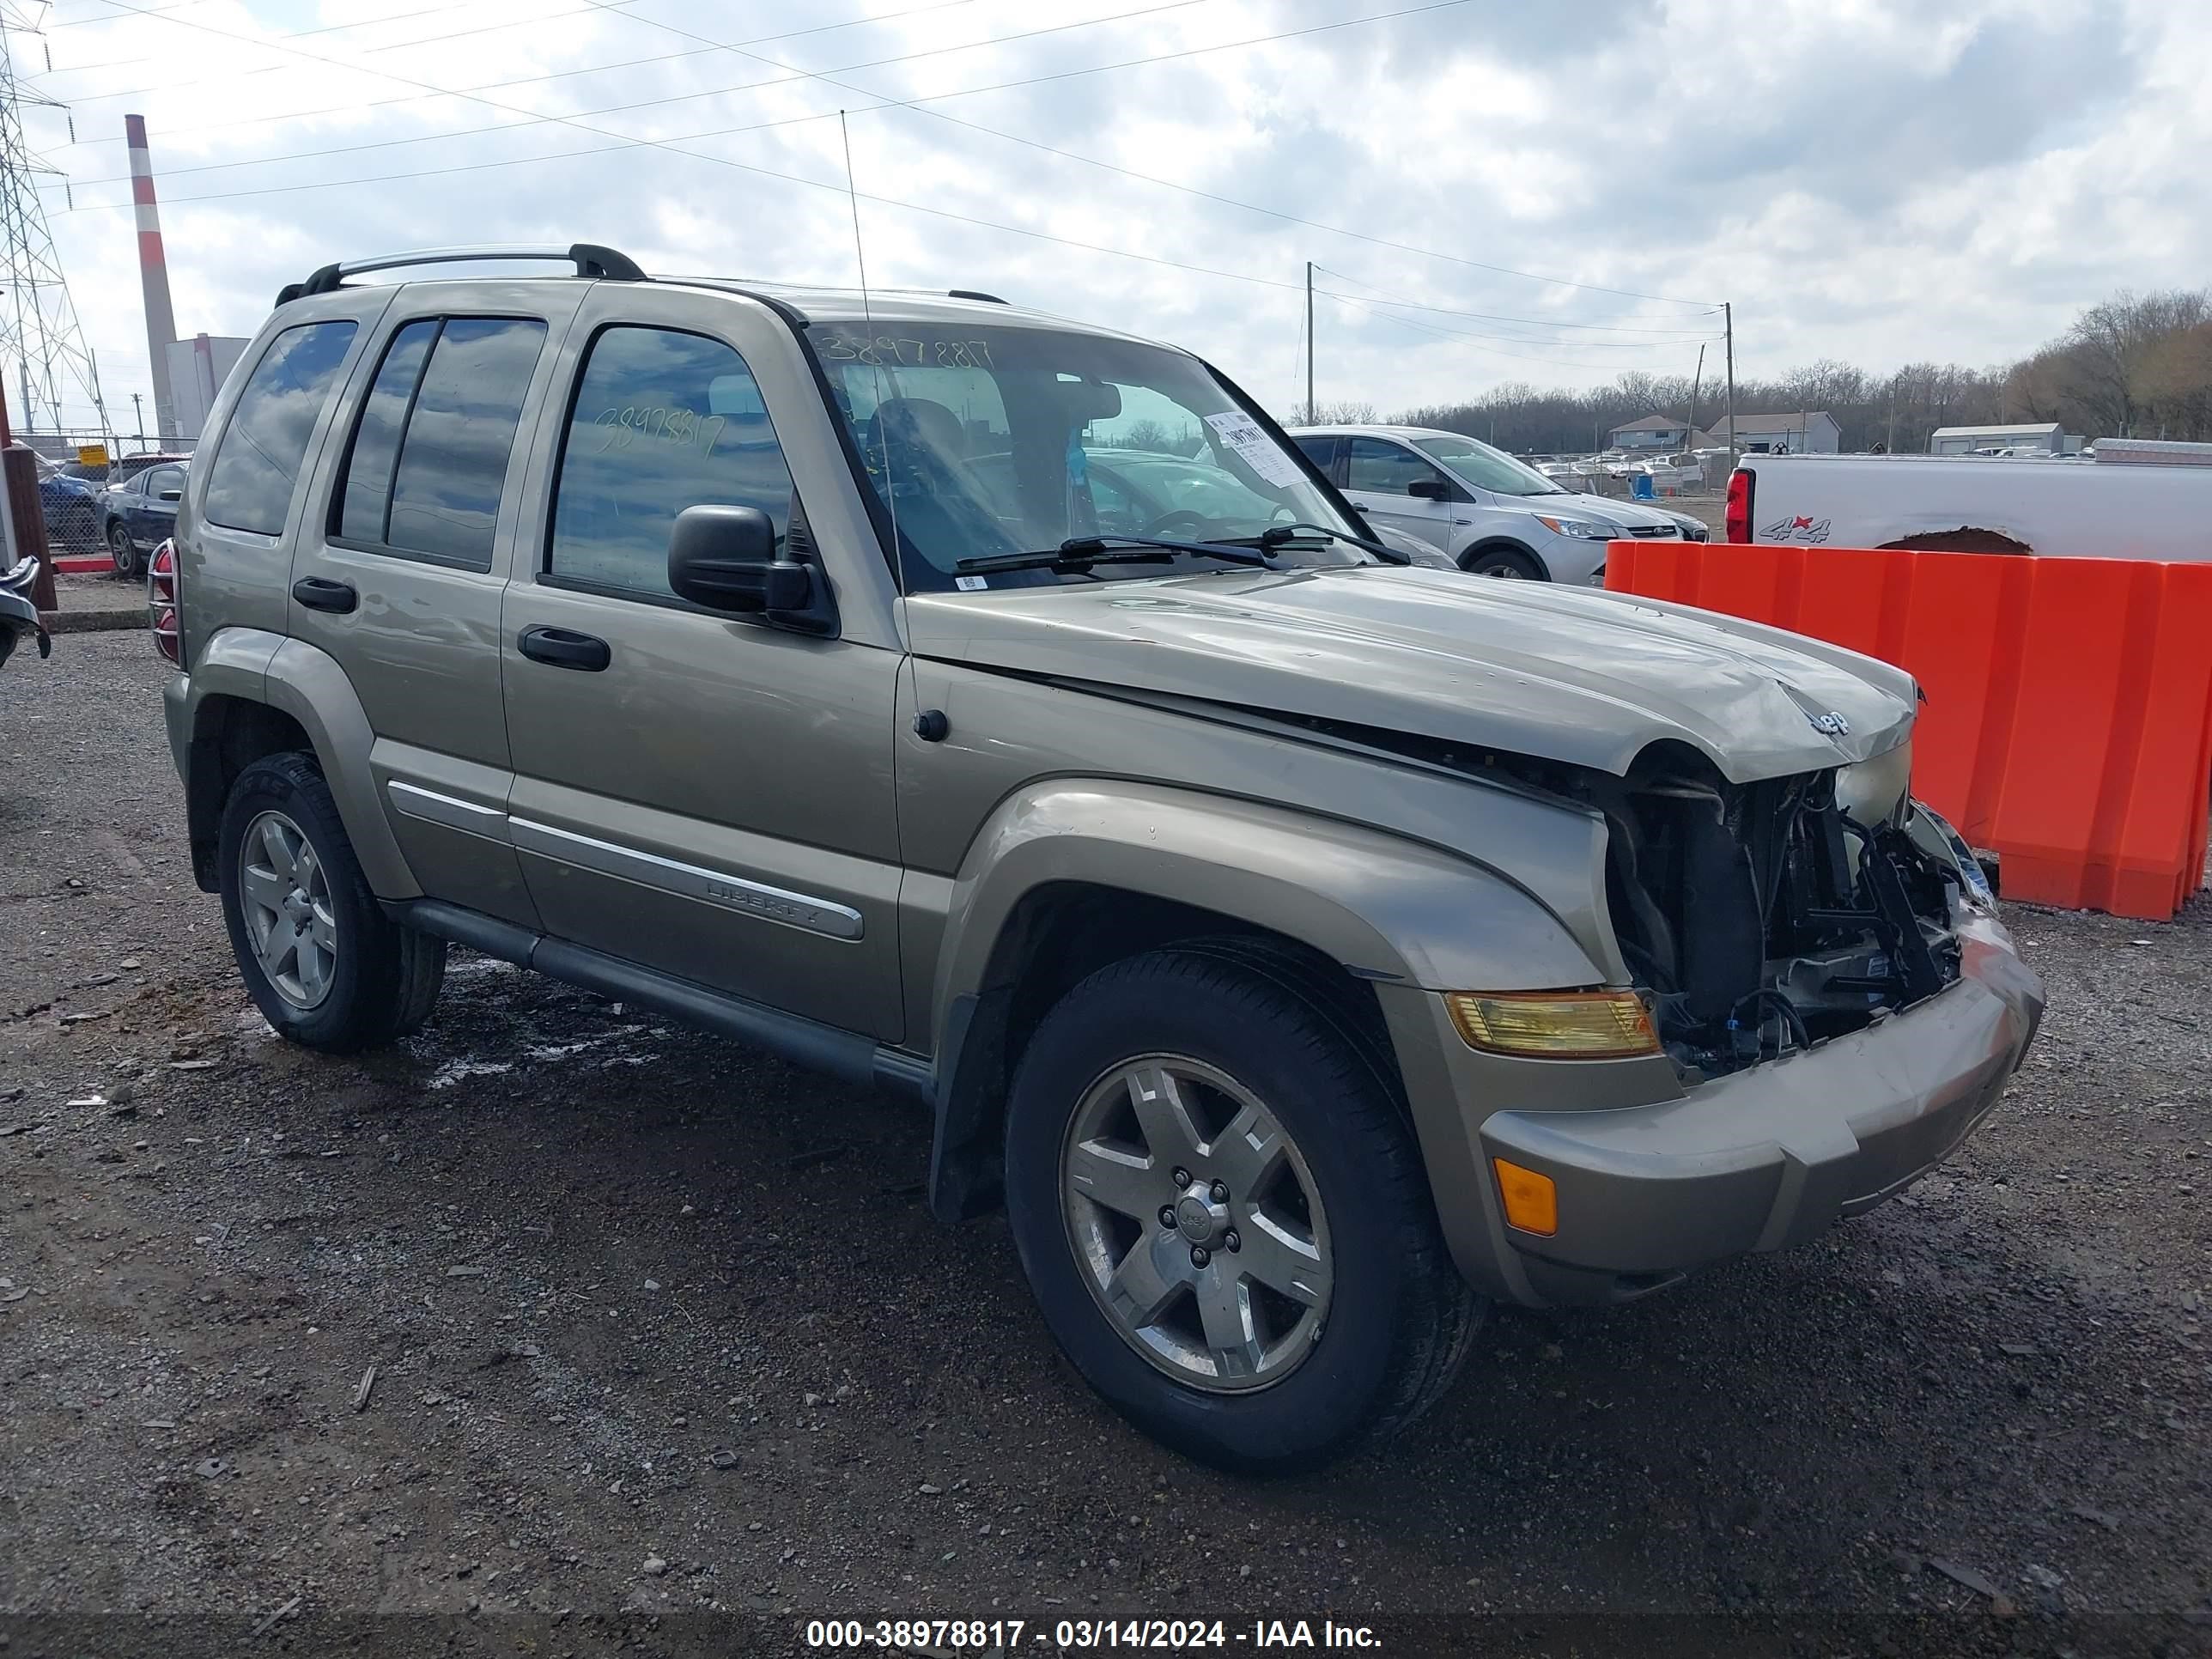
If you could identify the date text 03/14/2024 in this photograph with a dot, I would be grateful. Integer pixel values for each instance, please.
(1010, 1635)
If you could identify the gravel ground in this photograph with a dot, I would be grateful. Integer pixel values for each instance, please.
(667, 1353)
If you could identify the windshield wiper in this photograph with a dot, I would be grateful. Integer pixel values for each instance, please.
(1276, 534)
(1081, 552)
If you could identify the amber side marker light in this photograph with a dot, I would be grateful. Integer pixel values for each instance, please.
(1555, 1025)
(1532, 1202)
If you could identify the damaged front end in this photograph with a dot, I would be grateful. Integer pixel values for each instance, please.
(1769, 917)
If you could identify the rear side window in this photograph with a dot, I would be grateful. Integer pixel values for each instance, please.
(430, 456)
(662, 420)
(257, 466)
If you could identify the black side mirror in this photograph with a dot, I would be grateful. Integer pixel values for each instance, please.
(725, 558)
(1430, 489)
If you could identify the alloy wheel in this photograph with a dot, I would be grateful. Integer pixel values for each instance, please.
(284, 893)
(1196, 1224)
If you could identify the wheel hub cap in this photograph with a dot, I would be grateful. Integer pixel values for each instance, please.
(1196, 1224)
(1200, 1219)
(284, 897)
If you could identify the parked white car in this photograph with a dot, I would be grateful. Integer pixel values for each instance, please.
(1489, 514)
(2156, 503)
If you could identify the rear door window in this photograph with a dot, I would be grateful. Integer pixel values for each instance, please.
(429, 457)
(257, 462)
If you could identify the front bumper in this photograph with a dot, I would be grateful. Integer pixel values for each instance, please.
(1759, 1160)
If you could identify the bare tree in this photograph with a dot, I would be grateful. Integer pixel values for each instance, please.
(2132, 363)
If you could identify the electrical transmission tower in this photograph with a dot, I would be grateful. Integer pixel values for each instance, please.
(43, 353)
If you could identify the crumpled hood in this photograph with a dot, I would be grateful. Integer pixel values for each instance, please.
(1567, 674)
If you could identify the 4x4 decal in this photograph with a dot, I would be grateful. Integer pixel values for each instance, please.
(1797, 528)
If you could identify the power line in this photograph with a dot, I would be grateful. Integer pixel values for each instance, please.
(299, 34)
(1682, 343)
(623, 141)
(536, 119)
(919, 106)
(1691, 335)
(611, 6)
(624, 109)
(1369, 306)
(795, 72)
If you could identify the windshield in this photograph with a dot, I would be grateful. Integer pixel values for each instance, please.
(988, 441)
(1478, 463)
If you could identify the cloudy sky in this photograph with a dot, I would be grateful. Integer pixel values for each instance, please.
(1571, 187)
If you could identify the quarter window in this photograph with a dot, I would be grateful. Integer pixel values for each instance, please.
(257, 463)
(366, 498)
(662, 420)
(430, 453)
(1384, 468)
(1322, 452)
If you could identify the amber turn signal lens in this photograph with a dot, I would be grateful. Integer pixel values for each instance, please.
(1555, 1025)
(1532, 1202)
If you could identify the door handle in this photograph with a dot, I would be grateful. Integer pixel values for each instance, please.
(564, 648)
(320, 593)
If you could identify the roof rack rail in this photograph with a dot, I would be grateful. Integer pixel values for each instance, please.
(973, 293)
(589, 257)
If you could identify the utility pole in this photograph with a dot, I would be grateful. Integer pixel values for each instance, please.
(138, 412)
(1689, 428)
(1728, 329)
(39, 329)
(1309, 397)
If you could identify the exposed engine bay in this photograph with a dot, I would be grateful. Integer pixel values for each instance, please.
(1773, 915)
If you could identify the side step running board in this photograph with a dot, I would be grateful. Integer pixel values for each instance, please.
(808, 1042)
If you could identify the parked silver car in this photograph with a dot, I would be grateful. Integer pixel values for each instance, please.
(1486, 512)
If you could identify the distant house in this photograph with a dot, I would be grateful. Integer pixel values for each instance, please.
(1808, 433)
(1655, 433)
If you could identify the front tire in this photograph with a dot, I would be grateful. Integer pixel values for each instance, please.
(1508, 563)
(323, 963)
(1222, 1215)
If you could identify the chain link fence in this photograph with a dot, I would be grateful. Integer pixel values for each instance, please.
(71, 488)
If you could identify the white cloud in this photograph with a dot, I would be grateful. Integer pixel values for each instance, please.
(1877, 182)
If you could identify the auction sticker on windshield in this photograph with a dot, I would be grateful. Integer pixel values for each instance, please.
(1254, 447)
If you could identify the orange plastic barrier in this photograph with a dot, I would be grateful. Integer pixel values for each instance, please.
(2069, 719)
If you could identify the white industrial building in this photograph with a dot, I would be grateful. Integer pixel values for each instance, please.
(196, 370)
(1973, 439)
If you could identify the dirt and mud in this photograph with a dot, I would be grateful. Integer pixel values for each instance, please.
(564, 1329)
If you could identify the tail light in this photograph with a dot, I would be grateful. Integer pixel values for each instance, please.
(1739, 503)
(162, 602)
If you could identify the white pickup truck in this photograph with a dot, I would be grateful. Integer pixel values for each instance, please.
(2136, 499)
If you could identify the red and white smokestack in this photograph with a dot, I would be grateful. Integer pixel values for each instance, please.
(153, 274)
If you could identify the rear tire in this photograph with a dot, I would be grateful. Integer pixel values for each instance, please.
(323, 963)
(1510, 564)
(125, 555)
(1375, 1321)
